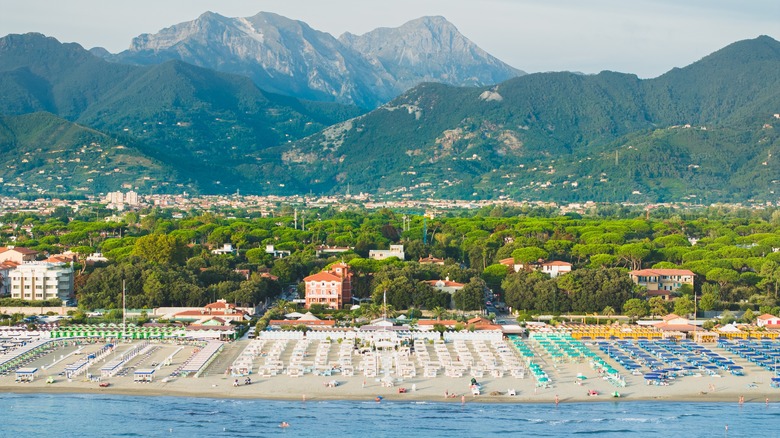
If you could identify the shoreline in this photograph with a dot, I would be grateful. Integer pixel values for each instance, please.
(318, 396)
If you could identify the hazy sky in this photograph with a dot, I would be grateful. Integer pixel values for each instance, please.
(646, 37)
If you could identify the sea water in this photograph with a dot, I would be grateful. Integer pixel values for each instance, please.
(98, 415)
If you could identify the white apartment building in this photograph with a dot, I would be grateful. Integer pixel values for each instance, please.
(381, 254)
(38, 281)
(131, 198)
(118, 200)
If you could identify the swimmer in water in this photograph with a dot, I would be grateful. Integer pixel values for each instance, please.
(284, 424)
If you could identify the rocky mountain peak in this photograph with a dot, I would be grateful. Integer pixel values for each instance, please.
(430, 49)
(288, 56)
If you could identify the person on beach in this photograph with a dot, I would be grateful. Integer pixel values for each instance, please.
(741, 399)
(556, 400)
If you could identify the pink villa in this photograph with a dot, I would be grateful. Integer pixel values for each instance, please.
(332, 288)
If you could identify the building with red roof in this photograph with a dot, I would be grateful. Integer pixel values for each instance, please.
(17, 254)
(446, 285)
(662, 282)
(219, 309)
(430, 260)
(552, 268)
(768, 321)
(556, 268)
(675, 323)
(331, 288)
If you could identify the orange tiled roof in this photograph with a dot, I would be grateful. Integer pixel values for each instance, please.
(18, 249)
(446, 283)
(670, 272)
(322, 276)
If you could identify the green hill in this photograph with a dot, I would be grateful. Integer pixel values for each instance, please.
(534, 136)
(199, 122)
(45, 154)
(702, 133)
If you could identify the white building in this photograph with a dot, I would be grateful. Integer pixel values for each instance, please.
(131, 198)
(38, 281)
(446, 285)
(114, 198)
(276, 253)
(556, 268)
(5, 277)
(381, 254)
(117, 200)
(227, 248)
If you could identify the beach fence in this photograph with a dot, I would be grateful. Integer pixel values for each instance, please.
(289, 335)
(481, 335)
(328, 334)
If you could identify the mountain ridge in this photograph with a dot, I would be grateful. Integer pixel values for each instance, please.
(704, 132)
(459, 138)
(289, 57)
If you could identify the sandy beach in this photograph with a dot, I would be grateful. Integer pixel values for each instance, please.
(215, 382)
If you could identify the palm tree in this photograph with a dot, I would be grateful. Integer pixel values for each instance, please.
(372, 311)
(386, 309)
(608, 311)
(282, 307)
(439, 312)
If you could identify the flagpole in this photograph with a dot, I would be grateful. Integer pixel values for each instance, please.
(124, 310)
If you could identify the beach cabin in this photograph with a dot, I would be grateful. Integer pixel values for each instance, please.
(76, 368)
(26, 374)
(112, 368)
(145, 375)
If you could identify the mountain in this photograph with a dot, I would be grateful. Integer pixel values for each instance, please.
(429, 49)
(289, 57)
(566, 136)
(41, 74)
(71, 122)
(200, 122)
(46, 154)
